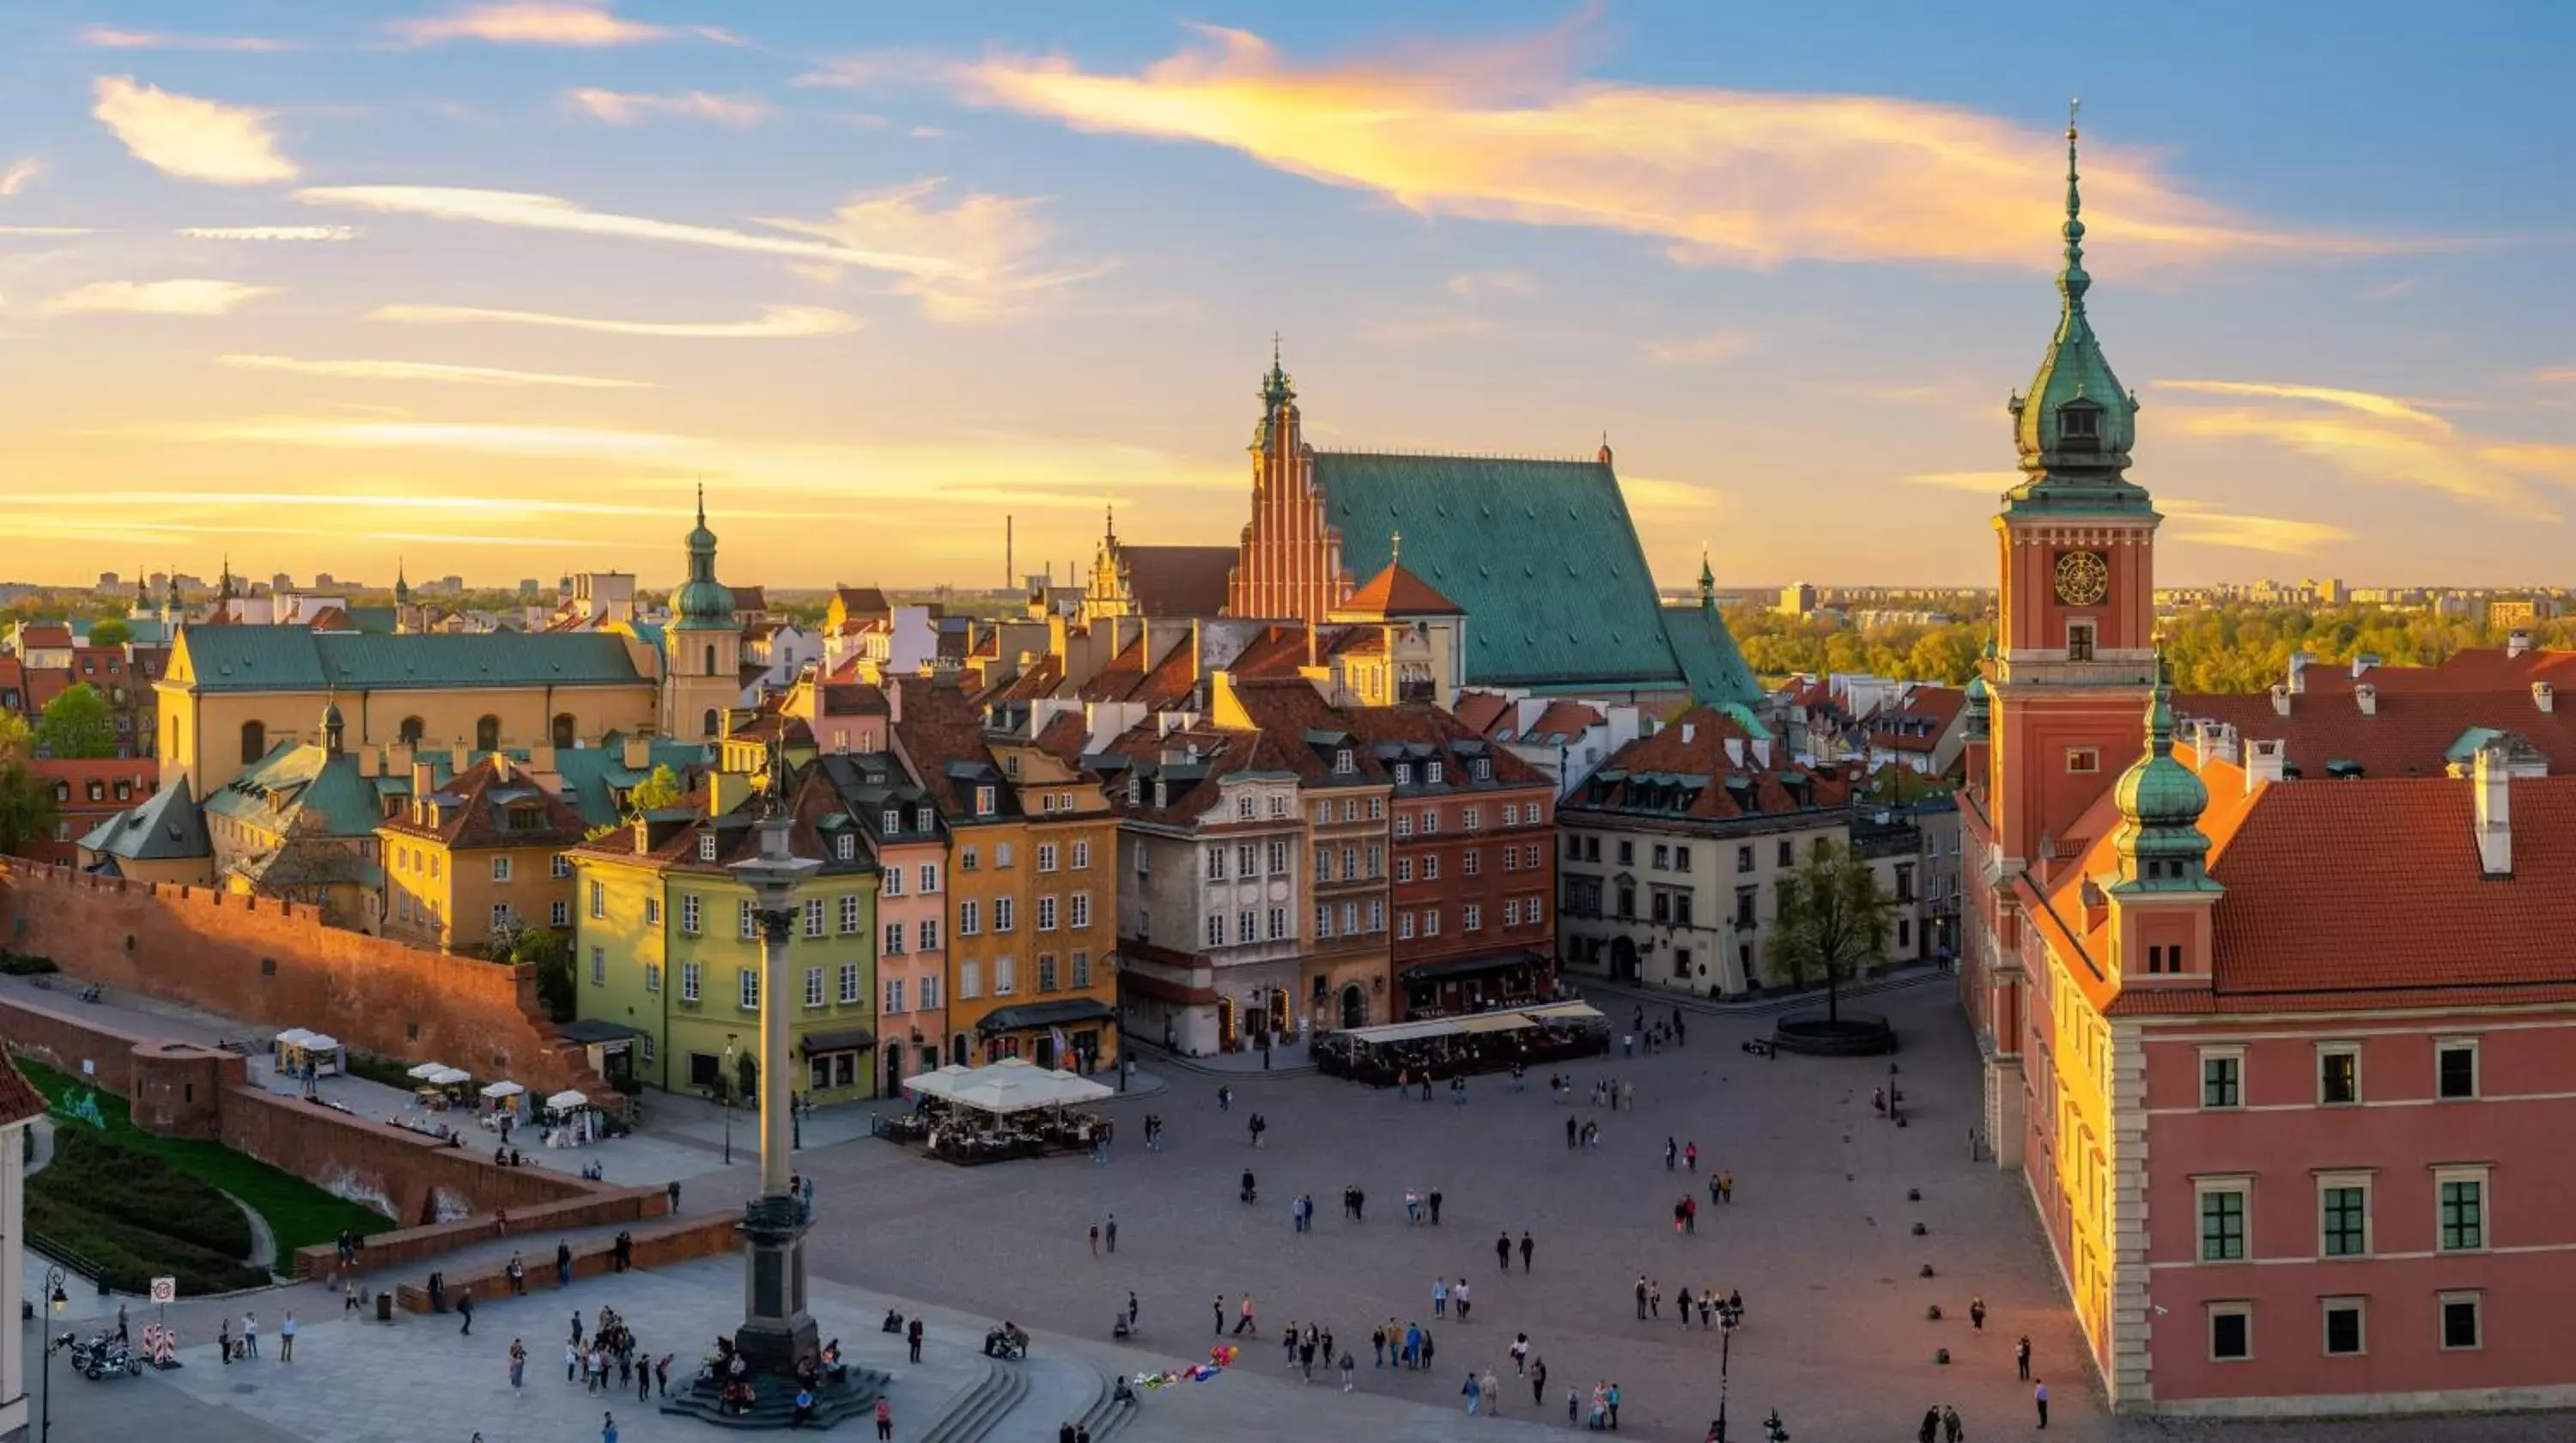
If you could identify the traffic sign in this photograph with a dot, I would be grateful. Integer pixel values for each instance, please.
(165, 1290)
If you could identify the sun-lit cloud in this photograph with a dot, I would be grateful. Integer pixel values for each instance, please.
(1506, 131)
(2555, 375)
(1984, 483)
(1421, 330)
(270, 232)
(2369, 403)
(494, 439)
(15, 175)
(46, 230)
(984, 244)
(360, 370)
(1653, 497)
(1472, 284)
(110, 37)
(157, 298)
(2207, 525)
(624, 107)
(544, 22)
(2499, 474)
(546, 212)
(191, 138)
(1710, 349)
(774, 323)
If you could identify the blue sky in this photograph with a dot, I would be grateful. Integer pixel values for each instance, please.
(490, 286)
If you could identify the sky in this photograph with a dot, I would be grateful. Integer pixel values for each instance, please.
(488, 288)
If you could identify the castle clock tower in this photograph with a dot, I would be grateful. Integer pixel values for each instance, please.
(2076, 544)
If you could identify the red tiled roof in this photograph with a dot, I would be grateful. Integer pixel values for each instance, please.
(1694, 745)
(1042, 678)
(48, 636)
(1480, 711)
(1919, 724)
(140, 771)
(1423, 723)
(1178, 580)
(482, 796)
(1289, 707)
(1398, 592)
(844, 698)
(2409, 732)
(1563, 719)
(19, 1099)
(330, 618)
(749, 598)
(1063, 736)
(860, 600)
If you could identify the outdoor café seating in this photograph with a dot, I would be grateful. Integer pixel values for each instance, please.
(1473, 1042)
(988, 1114)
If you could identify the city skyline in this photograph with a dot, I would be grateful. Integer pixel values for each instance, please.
(423, 279)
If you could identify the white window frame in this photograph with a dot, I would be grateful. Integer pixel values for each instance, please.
(894, 935)
(692, 978)
(970, 918)
(501, 916)
(892, 886)
(559, 913)
(2242, 1185)
(1404, 926)
(929, 991)
(2327, 1050)
(746, 988)
(2362, 1180)
(2442, 1304)
(1471, 918)
(706, 846)
(1081, 859)
(558, 866)
(815, 993)
(813, 916)
(689, 914)
(2200, 1079)
(2231, 1308)
(1006, 914)
(849, 913)
(746, 920)
(652, 911)
(652, 977)
(2484, 1177)
(925, 935)
(1046, 913)
(598, 966)
(1006, 976)
(2477, 1063)
(1080, 916)
(1215, 929)
(1046, 856)
(970, 980)
(929, 878)
(893, 994)
(2327, 1308)
(846, 847)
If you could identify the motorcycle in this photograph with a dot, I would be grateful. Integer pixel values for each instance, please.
(100, 1356)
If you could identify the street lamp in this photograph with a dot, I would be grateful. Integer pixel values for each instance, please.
(1771, 1429)
(777, 1333)
(56, 1299)
(724, 1091)
(1728, 1316)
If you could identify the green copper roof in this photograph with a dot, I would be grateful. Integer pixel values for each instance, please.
(2076, 426)
(2159, 841)
(299, 780)
(702, 603)
(1709, 659)
(164, 827)
(289, 658)
(1541, 554)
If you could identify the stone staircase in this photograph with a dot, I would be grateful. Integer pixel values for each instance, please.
(996, 1391)
(1107, 1413)
(775, 1405)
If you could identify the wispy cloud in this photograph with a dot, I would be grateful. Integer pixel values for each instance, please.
(2369, 403)
(157, 298)
(984, 245)
(1421, 330)
(1984, 483)
(270, 232)
(623, 107)
(190, 138)
(2555, 375)
(1472, 284)
(775, 322)
(422, 371)
(545, 22)
(2195, 521)
(46, 230)
(546, 212)
(1713, 348)
(1507, 131)
(109, 37)
(15, 175)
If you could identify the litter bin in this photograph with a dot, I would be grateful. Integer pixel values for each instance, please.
(385, 1306)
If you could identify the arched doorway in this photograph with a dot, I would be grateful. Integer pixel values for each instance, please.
(562, 733)
(1354, 1006)
(1623, 959)
(707, 724)
(894, 1070)
(957, 1050)
(487, 734)
(254, 740)
(409, 733)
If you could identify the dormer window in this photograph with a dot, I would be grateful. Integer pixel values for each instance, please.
(1344, 763)
(1484, 769)
(2079, 425)
(893, 819)
(707, 847)
(1404, 774)
(983, 801)
(1431, 773)
(847, 847)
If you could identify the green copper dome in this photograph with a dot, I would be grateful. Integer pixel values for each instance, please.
(2159, 841)
(702, 603)
(2075, 427)
(1980, 700)
(1275, 393)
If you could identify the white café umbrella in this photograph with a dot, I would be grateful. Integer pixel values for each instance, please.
(498, 1090)
(449, 1077)
(428, 1071)
(294, 1037)
(321, 1042)
(567, 1100)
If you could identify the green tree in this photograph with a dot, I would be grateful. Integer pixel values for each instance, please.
(1833, 919)
(550, 952)
(662, 789)
(26, 807)
(746, 1066)
(17, 739)
(110, 631)
(75, 724)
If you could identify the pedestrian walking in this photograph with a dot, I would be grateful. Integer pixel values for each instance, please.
(1520, 1355)
(1612, 1398)
(250, 1335)
(1434, 1201)
(1439, 1297)
(607, 1428)
(912, 1338)
(224, 1341)
(1569, 1131)
(1377, 1347)
(1538, 1381)
(1349, 1366)
(1220, 1314)
(563, 1265)
(1109, 1230)
(1526, 1248)
(1572, 1405)
(2021, 1357)
(1492, 1392)
(1929, 1430)
(518, 1364)
(1654, 1300)
(1503, 1252)
(1458, 1295)
(1245, 1324)
(1951, 1430)
(662, 1369)
(2039, 1396)
(1690, 1158)
(1690, 1214)
(1131, 1310)
(465, 1309)
(1474, 1392)
(286, 1339)
(1095, 1240)
(572, 1361)
(1726, 1187)
(1977, 1314)
(1672, 1152)
(885, 1419)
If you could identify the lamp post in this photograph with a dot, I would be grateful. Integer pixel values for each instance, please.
(56, 1299)
(724, 1090)
(776, 1333)
(1728, 1315)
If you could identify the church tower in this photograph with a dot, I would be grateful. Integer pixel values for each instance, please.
(2076, 544)
(701, 646)
(1291, 564)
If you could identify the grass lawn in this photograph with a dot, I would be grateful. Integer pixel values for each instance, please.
(299, 1213)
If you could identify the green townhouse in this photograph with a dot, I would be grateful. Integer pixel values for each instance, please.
(667, 951)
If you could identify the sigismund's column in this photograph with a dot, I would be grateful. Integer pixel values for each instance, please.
(776, 1332)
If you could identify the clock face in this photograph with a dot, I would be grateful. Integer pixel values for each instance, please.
(2083, 578)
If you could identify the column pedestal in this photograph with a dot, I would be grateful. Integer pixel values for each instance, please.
(776, 1332)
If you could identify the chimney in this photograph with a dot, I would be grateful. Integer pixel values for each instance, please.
(2263, 760)
(639, 752)
(541, 757)
(1735, 751)
(2494, 812)
(2517, 643)
(501, 767)
(726, 791)
(2281, 699)
(1689, 730)
(2543, 695)
(2222, 746)
(422, 784)
(2363, 661)
(2299, 661)
(2367, 696)
(1762, 751)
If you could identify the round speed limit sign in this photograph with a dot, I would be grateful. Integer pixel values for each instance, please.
(165, 1290)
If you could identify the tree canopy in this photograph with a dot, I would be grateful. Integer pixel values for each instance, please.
(110, 631)
(662, 789)
(26, 807)
(1833, 919)
(75, 724)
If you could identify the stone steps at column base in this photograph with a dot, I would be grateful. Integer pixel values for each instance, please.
(775, 1405)
(995, 1393)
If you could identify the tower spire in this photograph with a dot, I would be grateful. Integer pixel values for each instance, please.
(2072, 282)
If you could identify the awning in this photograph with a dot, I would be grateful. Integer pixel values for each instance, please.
(1494, 1022)
(590, 1031)
(498, 1090)
(1470, 966)
(1046, 1014)
(567, 1100)
(1563, 1012)
(427, 1070)
(839, 1039)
